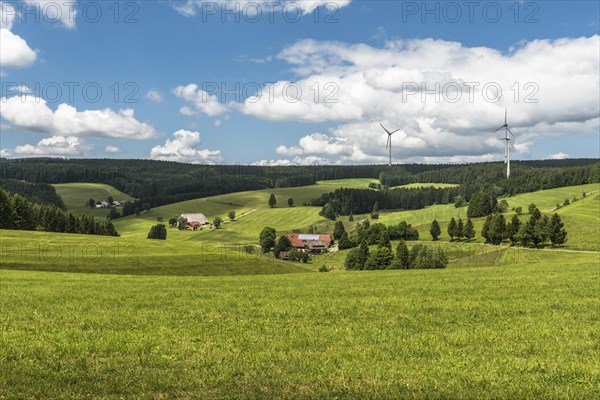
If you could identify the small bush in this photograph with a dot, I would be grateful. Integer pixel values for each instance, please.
(158, 231)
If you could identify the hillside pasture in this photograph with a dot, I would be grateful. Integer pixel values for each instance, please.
(41, 251)
(527, 329)
(76, 196)
(582, 221)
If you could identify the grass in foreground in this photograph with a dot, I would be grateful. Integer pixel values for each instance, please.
(525, 330)
(41, 251)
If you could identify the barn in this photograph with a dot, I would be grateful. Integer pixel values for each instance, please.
(195, 221)
(314, 244)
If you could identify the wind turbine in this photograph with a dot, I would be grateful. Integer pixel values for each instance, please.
(506, 139)
(389, 141)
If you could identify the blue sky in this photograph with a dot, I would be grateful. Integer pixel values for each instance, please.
(152, 60)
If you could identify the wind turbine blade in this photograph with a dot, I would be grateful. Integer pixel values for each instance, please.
(389, 142)
(505, 115)
(510, 132)
(388, 132)
(499, 129)
(394, 131)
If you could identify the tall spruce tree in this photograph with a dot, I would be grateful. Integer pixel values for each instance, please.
(556, 231)
(402, 260)
(497, 229)
(452, 228)
(512, 229)
(22, 213)
(460, 229)
(469, 229)
(5, 210)
(338, 230)
(435, 230)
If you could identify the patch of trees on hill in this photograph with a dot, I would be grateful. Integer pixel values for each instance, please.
(16, 212)
(362, 201)
(526, 176)
(164, 182)
(537, 230)
(419, 257)
(40, 193)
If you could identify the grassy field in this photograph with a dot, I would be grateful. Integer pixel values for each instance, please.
(255, 203)
(546, 199)
(582, 218)
(43, 251)
(128, 317)
(76, 196)
(523, 330)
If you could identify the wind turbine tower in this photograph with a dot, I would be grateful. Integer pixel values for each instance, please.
(507, 140)
(389, 141)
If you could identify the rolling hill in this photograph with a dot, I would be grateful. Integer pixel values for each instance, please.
(299, 218)
(76, 196)
(194, 317)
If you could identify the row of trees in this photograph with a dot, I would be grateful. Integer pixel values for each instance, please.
(419, 257)
(18, 213)
(458, 230)
(372, 233)
(39, 193)
(526, 176)
(536, 231)
(347, 201)
(162, 182)
(273, 201)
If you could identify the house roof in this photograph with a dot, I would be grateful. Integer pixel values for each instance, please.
(301, 240)
(308, 237)
(199, 217)
(317, 244)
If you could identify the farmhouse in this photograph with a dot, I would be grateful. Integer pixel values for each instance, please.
(195, 221)
(101, 204)
(312, 243)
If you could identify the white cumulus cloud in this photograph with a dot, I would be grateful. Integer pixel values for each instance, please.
(155, 96)
(112, 149)
(62, 12)
(201, 101)
(258, 8)
(14, 50)
(55, 146)
(558, 156)
(32, 113)
(183, 148)
(309, 160)
(435, 92)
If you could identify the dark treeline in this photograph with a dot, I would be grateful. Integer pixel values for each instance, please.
(526, 176)
(40, 193)
(363, 201)
(16, 212)
(163, 182)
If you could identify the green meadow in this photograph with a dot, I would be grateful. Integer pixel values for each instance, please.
(521, 330)
(198, 316)
(43, 251)
(76, 196)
